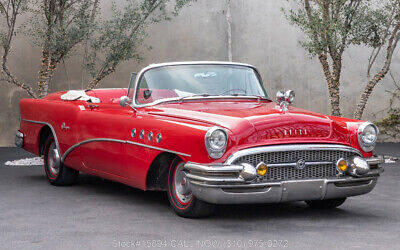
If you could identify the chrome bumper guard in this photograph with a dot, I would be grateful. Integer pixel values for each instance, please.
(222, 184)
(19, 139)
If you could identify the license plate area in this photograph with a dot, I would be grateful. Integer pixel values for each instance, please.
(302, 190)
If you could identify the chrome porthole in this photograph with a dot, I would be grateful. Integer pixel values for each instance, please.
(141, 135)
(159, 137)
(150, 136)
(133, 133)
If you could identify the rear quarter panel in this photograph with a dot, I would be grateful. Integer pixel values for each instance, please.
(51, 112)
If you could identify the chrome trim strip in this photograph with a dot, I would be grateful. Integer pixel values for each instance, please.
(294, 164)
(280, 183)
(215, 179)
(69, 150)
(291, 147)
(51, 128)
(238, 186)
(118, 141)
(375, 160)
(176, 99)
(212, 169)
(237, 168)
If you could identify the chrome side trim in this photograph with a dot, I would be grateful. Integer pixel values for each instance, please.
(69, 150)
(51, 128)
(72, 148)
(291, 147)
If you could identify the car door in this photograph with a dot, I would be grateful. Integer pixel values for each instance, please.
(102, 136)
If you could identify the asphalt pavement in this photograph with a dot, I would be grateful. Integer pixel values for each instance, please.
(100, 214)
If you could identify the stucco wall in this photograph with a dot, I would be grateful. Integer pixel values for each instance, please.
(260, 36)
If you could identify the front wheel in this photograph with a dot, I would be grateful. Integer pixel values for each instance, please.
(326, 204)
(57, 173)
(180, 196)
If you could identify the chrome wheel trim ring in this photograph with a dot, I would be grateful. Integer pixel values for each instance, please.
(51, 160)
(181, 184)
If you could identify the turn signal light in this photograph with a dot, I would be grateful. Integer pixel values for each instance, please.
(262, 169)
(342, 165)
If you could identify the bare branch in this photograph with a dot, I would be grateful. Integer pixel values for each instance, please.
(109, 69)
(376, 51)
(12, 12)
(392, 44)
(394, 80)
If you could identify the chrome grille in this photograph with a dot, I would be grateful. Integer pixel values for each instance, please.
(309, 172)
(277, 173)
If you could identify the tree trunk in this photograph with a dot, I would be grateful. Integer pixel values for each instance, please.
(47, 69)
(333, 84)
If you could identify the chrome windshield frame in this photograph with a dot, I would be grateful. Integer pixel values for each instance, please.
(134, 104)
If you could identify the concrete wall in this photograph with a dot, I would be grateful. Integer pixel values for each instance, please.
(260, 36)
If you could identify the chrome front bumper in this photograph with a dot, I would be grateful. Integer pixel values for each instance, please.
(19, 139)
(222, 184)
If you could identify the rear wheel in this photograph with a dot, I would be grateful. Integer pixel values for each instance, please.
(326, 204)
(56, 172)
(180, 196)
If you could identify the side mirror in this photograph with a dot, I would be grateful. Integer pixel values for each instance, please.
(124, 101)
(147, 94)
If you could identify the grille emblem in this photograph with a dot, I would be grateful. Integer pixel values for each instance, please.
(300, 164)
(291, 132)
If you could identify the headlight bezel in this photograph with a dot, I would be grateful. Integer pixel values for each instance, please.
(212, 152)
(367, 146)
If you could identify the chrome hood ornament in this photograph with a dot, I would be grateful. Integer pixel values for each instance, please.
(284, 99)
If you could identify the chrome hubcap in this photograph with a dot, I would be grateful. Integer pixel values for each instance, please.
(51, 159)
(182, 188)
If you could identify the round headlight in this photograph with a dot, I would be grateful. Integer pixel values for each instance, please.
(367, 136)
(216, 140)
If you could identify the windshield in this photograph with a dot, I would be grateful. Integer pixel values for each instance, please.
(180, 81)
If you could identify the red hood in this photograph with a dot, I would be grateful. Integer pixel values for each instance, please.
(258, 120)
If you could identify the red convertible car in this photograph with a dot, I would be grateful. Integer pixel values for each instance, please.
(205, 132)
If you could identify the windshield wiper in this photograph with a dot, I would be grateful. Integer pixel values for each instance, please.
(196, 95)
(255, 96)
(209, 95)
(184, 97)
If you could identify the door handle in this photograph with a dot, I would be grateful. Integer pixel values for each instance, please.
(93, 106)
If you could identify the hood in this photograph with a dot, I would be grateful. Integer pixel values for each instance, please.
(262, 120)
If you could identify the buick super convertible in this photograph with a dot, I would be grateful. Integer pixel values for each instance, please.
(207, 133)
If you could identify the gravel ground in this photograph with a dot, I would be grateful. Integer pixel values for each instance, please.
(100, 214)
